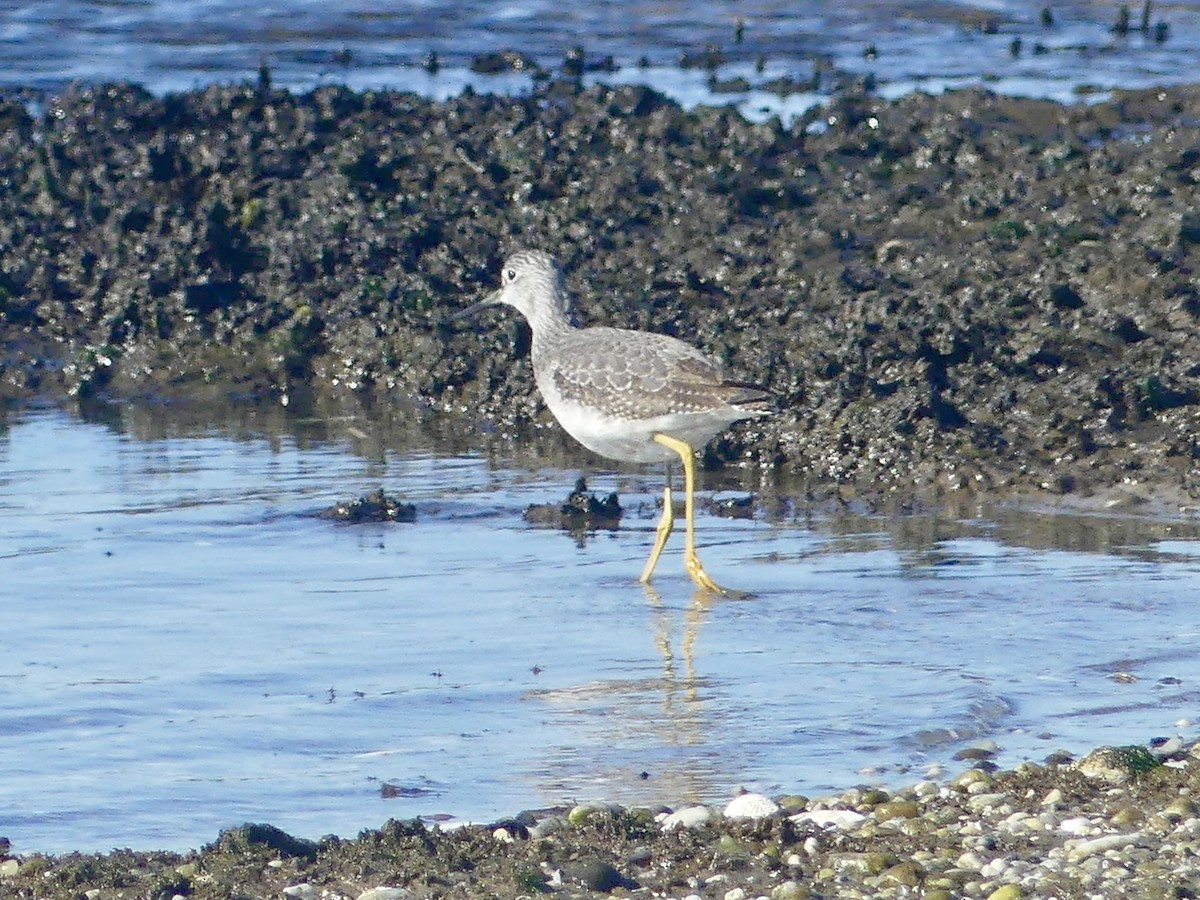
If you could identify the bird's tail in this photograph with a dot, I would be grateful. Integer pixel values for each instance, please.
(749, 398)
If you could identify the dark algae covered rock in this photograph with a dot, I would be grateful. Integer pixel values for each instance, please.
(946, 294)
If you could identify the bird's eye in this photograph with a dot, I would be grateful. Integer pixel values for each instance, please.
(510, 275)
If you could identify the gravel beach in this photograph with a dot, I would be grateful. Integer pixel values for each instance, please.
(1119, 823)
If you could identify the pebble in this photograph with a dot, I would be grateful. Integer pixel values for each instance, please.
(793, 802)
(751, 806)
(971, 860)
(1116, 765)
(923, 790)
(548, 826)
(1077, 850)
(983, 802)
(829, 818)
(1169, 747)
(581, 812)
(1127, 817)
(908, 874)
(385, 893)
(1179, 808)
(994, 869)
(597, 875)
(300, 891)
(971, 781)
(1077, 825)
(896, 809)
(688, 817)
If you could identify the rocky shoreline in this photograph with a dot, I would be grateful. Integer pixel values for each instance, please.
(946, 294)
(1119, 823)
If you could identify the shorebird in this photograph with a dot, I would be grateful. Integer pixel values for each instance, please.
(633, 396)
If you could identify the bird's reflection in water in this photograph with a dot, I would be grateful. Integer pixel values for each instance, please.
(693, 619)
(646, 736)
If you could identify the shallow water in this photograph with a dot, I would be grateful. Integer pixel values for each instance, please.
(170, 45)
(185, 646)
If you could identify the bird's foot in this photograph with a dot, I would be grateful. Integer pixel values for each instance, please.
(703, 580)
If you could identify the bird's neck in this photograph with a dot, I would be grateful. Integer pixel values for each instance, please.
(551, 320)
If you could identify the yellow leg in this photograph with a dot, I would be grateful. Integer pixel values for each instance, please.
(665, 525)
(690, 560)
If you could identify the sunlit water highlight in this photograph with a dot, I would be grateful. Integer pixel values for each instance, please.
(185, 646)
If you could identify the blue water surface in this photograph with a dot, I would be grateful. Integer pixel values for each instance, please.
(186, 646)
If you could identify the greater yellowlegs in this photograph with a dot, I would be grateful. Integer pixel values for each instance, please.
(634, 396)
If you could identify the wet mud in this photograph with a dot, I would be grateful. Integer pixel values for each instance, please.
(945, 294)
